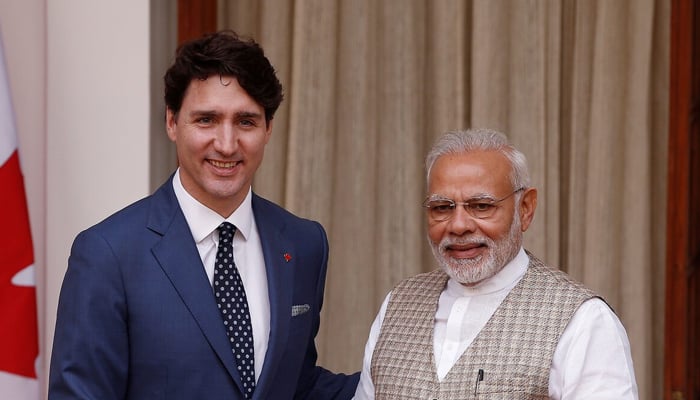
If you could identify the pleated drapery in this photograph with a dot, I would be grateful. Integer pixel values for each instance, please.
(581, 87)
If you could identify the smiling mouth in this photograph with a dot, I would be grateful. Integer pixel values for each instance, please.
(464, 247)
(465, 250)
(224, 164)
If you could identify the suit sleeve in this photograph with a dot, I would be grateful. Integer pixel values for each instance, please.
(316, 382)
(90, 350)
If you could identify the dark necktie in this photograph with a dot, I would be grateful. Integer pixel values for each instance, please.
(233, 305)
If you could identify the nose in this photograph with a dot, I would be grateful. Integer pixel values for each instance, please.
(461, 222)
(226, 140)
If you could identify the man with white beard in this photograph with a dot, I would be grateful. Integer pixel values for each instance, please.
(493, 322)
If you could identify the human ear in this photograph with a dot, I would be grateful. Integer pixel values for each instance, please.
(170, 123)
(527, 206)
(268, 130)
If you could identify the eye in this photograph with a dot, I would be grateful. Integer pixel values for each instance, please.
(204, 120)
(481, 206)
(441, 206)
(248, 119)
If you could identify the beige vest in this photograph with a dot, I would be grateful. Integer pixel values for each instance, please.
(509, 359)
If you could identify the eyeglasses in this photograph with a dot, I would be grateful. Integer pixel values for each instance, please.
(442, 209)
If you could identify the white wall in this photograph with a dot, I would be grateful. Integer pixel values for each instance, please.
(80, 79)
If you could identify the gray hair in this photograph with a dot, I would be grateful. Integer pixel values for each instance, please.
(456, 142)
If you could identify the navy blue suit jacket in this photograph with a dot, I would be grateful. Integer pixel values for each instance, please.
(137, 317)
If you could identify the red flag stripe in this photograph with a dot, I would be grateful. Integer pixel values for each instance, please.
(18, 318)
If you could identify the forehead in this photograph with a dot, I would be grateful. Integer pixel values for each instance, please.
(470, 173)
(218, 91)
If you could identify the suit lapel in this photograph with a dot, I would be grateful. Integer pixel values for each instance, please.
(280, 278)
(178, 257)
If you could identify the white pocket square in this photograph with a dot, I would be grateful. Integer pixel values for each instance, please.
(300, 309)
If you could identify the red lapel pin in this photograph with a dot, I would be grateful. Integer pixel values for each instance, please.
(287, 257)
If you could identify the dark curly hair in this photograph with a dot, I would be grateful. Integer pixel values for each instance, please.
(224, 53)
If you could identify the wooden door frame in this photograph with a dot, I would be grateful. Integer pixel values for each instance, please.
(678, 378)
(194, 18)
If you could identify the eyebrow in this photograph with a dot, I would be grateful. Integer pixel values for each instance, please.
(199, 113)
(248, 114)
(482, 196)
(239, 114)
(475, 197)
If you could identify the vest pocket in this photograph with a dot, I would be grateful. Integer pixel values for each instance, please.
(496, 386)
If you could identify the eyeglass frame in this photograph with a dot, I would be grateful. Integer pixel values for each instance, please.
(453, 204)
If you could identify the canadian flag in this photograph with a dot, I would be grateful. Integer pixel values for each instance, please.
(19, 344)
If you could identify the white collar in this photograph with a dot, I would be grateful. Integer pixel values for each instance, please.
(202, 220)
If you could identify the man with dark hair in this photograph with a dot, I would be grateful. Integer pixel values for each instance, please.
(493, 322)
(202, 290)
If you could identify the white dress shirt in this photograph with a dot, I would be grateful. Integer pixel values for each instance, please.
(592, 359)
(247, 254)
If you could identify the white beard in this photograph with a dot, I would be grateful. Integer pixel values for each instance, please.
(470, 271)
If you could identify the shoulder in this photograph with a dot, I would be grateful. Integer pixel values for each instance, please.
(540, 271)
(424, 279)
(156, 209)
(123, 219)
(261, 204)
(560, 287)
(424, 284)
(267, 212)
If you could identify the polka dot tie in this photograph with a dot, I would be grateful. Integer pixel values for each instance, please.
(233, 305)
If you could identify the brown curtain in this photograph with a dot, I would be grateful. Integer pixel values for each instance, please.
(580, 86)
